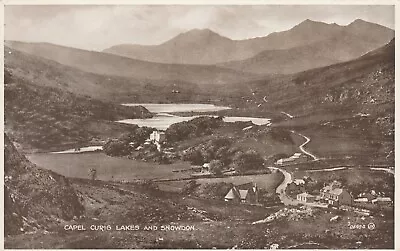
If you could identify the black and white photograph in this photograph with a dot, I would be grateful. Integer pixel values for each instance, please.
(199, 126)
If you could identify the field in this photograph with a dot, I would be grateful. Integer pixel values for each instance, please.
(265, 181)
(108, 168)
(268, 182)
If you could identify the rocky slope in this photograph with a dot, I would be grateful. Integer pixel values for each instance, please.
(34, 198)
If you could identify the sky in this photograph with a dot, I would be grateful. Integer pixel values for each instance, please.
(97, 27)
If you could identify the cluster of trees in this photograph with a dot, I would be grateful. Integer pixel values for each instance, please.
(122, 147)
(380, 185)
(310, 186)
(222, 155)
(194, 128)
(127, 145)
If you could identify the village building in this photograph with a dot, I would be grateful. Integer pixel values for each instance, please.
(305, 197)
(291, 158)
(336, 196)
(382, 201)
(361, 200)
(299, 182)
(157, 138)
(245, 193)
(205, 167)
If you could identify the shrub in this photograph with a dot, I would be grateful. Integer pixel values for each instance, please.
(117, 148)
(216, 167)
(245, 161)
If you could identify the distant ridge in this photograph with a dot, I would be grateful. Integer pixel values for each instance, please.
(208, 47)
(114, 65)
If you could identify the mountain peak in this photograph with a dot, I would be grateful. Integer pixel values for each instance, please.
(358, 21)
(197, 36)
(309, 22)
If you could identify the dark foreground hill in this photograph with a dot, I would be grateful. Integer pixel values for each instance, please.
(34, 198)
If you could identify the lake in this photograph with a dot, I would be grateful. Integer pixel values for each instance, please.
(162, 120)
(165, 108)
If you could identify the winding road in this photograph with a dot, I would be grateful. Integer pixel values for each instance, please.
(305, 143)
(287, 114)
(281, 189)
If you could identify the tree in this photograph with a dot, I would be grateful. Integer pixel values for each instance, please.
(245, 161)
(216, 167)
(194, 156)
(117, 148)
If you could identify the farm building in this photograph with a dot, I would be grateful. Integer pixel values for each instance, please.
(245, 193)
(291, 158)
(363, 200)
(334, 195)
(305, 197)
(382, 201)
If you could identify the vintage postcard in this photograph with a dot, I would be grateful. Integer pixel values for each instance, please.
(227, 125)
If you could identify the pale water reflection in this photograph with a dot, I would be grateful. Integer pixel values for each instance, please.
(162, 120)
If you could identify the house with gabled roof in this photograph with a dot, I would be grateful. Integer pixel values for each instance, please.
(334, 195)
(305, 197)
(244, 193)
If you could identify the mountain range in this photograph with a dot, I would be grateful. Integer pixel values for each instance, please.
(204, 57)
(207, 47)
(113, 65)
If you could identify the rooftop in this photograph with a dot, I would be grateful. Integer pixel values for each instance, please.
(336, 191)
(306, 195)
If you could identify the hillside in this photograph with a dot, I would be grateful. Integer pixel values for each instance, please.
(353, 83)
(342, 47)
(45, 72)
(34, 198)
(347, 105)
(112, 65)
(43, 116)
(207, 47)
